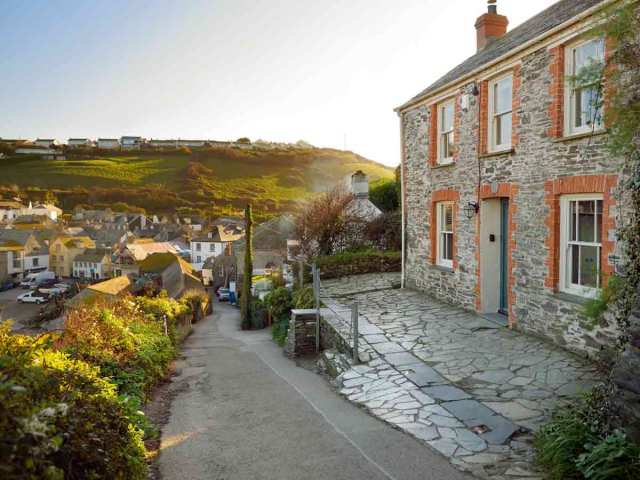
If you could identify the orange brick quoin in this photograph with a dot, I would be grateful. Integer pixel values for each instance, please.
(483, 131)
(505, 190)
(457, 111)
(443, 196)
(515, 105)
(553, 189)
(433, 135)
(556, 92)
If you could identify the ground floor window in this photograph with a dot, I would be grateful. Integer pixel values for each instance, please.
(580, 244)
(444, 237)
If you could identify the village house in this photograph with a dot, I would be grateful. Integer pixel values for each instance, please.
(63, 250)
(127, 260)
(9, 210)
(170, 272)
(270, 245)
(80, 143)
(46, 142)
(46, 153)
(93, 264)
(20, 254)
(361, 207)
(108, 143)
(214, 243)
(131, 143)
(510, 198)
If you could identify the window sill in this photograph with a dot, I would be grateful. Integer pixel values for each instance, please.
(497, 153)
(444, 165)
(579, 136)
(442, 268)
(571, 298)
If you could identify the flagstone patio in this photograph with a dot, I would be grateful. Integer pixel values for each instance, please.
(470, 388)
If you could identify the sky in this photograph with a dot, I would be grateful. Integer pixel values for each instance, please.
(329, 72)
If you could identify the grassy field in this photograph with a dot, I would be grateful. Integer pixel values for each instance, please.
(218, 181)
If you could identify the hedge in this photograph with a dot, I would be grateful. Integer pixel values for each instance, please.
(356, 263)
(71, 401)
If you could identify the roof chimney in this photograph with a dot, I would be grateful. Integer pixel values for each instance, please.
(490, 26)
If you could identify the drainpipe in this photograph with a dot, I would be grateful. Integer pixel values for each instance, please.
(402, 206)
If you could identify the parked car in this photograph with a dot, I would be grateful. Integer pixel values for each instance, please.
(34, 279)
(223, 294)
(7, 285)
(33, 297)
(48, 283)
(54, 288)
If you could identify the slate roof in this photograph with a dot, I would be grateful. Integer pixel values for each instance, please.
(19, 236)
(91, 256)
(549, 18)
(272, 234)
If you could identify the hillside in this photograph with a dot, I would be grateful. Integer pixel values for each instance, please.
(216, 181)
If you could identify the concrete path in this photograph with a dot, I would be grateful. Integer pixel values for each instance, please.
(244, 411)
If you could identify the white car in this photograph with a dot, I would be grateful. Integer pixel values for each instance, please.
(57, 289)
(33, 297)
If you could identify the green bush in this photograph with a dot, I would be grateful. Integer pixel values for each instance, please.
(575, 446)
(303, 298)
(279, 331)
(60, 418)
(258, 314)
(561, 442)
(279, 303)
(613, 458)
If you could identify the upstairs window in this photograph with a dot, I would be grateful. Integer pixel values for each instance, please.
(584, 95)
(212, 247)
(198, 247)
(445, 132)
(581, 244)
(500, 108)
(445, 234)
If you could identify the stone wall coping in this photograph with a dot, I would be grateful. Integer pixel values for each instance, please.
(579, 136)
(567, 297)
(303, 311)
(508, 151)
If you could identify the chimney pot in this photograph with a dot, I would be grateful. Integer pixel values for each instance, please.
(490, 26)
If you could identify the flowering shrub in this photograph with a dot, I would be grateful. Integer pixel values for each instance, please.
(60, 418)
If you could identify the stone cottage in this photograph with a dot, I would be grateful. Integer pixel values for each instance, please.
(510, 199)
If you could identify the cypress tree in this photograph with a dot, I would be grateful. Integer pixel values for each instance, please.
(245, 299)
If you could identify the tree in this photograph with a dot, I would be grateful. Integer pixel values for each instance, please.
(245, 298)
(323, 226)
(384, 195)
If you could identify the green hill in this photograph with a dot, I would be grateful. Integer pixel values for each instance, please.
(215, 181)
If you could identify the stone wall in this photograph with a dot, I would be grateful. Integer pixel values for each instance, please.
(301, 338)
(530, 172)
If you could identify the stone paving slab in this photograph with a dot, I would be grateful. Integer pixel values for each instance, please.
(467, 387)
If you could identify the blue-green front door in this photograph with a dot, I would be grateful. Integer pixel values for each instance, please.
(504, 256)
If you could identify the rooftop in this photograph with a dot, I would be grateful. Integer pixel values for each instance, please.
(555, 15)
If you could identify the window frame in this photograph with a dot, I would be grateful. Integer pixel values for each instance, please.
(492, 115)
(440, 260)
(565, 285)
(440, 159)
(569, 90)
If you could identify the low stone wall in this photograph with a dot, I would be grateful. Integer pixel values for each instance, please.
(330, 338)
(301, 338)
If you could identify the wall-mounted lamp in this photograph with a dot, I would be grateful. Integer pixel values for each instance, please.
(471, 209)
(475, 92)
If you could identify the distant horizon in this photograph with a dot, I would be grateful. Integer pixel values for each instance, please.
(329, 73)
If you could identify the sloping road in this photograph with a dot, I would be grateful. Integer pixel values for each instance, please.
(244, 411)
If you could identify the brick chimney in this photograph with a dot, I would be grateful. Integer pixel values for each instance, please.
(490, 26)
